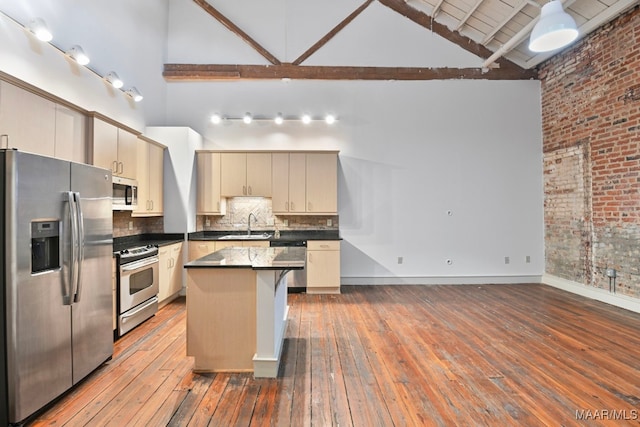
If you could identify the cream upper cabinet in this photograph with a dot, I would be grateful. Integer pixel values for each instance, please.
(305, 183)
(114, 148)
(70, 138)
(209, 201)
(27, 121)
(150, 169)
(323, 266)
(322, 183)
(289, 179)
(245, 174)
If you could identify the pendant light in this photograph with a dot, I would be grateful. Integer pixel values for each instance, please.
(555, 29)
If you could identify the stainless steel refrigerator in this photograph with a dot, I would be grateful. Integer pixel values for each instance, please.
(56, 298)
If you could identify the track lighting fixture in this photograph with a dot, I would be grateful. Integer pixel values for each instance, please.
(135, 94)
(278, 119)
(247, 119)
(77, 54)
(114, 80)
(306, 119)
(39, 28)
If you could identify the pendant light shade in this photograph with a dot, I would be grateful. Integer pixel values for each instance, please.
(555, 29)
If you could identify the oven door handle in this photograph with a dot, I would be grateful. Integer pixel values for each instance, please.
(139, 264)
(138, 309)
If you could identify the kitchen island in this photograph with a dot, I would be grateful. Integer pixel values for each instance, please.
(237, 308)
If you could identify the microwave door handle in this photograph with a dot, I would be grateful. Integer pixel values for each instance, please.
(128, 195)
(80, 259)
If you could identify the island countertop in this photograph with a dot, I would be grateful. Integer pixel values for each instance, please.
(256, 258)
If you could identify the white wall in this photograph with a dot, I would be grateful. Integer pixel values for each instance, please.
(409, 151)
(119, 35)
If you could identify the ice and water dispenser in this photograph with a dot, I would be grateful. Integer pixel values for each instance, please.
(45, 246)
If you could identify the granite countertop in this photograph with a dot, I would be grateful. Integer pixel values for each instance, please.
(289, 258)
(285, 235)
(160, 239)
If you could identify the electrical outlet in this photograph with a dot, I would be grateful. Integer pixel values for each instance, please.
(400, 260)
(285, 222)
(507, 260)
(130, 225)
(329, 222)
(527, 259)
(270, 221)
(207, 222)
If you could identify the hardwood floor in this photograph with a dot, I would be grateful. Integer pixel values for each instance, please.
(494, 355)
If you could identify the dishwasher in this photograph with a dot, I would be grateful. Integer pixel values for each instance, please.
(296, 279)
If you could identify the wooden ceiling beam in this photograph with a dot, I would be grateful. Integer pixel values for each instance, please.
(236, 30)
(332, 33)
(211, 72)
(464, 42)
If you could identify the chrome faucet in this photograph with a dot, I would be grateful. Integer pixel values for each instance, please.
(249, 223)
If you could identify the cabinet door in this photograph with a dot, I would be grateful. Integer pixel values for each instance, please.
(127, 151)
(105, 145)
(70, 135)
(323, 269)
(322, 183)
(208, 169)
(156, 179)
(233, 174)
(164, 273)
(280, 182)
(200, 248)
(142, 159)
(27, 121)
(297, 182)
(175, 283)
(259, 174)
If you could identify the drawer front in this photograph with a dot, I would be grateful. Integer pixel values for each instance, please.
(323, 245)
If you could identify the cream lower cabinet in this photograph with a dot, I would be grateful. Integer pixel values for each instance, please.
(200, 248)
(150, 170)
(170, 272)
(323, 266)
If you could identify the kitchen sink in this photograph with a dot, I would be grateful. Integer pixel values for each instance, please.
(263, 236)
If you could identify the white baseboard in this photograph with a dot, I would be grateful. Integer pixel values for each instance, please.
(440, 280)
(618, 300)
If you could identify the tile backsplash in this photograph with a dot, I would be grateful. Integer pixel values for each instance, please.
(126, 225)
(239, 208)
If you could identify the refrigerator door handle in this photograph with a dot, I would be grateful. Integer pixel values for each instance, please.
(80, 253)
(73, 219)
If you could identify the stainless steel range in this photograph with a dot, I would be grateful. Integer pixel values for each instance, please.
(137, 286)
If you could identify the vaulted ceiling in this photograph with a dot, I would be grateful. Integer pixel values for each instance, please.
(497, 31)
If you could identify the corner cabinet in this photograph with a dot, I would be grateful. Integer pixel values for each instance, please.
(305, 183)
(114, 148)
(150, 168)
(170, 272)
(245, 174)
(209, 201)
(323, 266)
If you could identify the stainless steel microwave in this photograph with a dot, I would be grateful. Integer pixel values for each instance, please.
(125, 194)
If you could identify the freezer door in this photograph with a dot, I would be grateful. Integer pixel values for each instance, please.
(92, 316)
(37, 320)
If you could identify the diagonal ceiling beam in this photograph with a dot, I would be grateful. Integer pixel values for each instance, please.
(313, 49)
(237, 30)
(471, 11)
(210, 72)
(425, 21)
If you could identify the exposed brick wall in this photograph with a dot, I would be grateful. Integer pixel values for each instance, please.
(591, 143)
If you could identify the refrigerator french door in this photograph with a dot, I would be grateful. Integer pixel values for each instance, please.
(56, 269)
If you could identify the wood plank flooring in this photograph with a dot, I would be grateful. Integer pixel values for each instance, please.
(496, 355)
